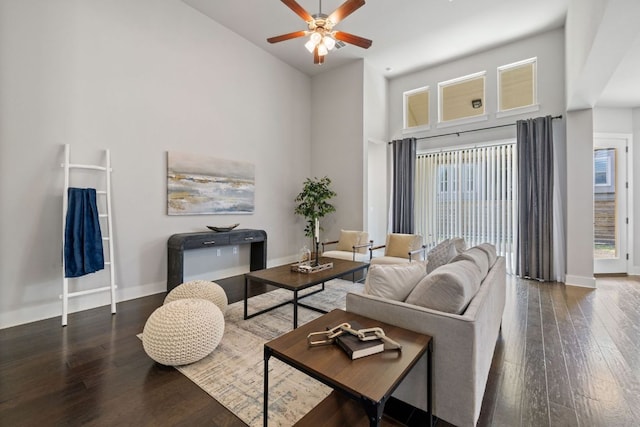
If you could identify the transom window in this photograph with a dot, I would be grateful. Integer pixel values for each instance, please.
(462, 98)
(416, 109)
(517, 85)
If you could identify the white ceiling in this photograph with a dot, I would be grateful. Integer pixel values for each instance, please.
(410, 34)
(623, 89)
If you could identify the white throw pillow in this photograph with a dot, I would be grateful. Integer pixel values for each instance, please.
(440, 255)
(393, 281)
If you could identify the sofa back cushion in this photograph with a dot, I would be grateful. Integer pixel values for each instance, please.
(393, 281)
(490, 250)
(448, 288)
(350, 238)
(459, 244)
(478, 256)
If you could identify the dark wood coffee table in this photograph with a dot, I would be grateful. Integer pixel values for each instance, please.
(283, 277)
(368, 381)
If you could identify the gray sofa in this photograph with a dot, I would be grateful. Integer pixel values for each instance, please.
(463, 344)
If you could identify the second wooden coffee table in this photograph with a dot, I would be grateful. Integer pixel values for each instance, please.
(283, 277)
(361, 386)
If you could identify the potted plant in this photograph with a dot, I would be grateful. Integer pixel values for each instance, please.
(313, 204)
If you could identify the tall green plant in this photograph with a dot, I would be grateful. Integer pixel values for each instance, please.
(312, 202)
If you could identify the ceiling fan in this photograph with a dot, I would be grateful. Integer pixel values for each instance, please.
(322, 36)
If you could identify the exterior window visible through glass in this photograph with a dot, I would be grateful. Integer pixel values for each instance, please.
(604, 201)
(602, 167)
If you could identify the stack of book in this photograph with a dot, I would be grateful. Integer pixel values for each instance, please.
(355, 348)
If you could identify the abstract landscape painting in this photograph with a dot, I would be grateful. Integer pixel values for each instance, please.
(200, 185)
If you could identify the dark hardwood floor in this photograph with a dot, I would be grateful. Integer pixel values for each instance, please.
(566, 356)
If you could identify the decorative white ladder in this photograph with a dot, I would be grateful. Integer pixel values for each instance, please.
(108, 239)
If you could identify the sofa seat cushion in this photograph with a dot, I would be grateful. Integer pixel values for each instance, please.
(448, 288)
(393, 281)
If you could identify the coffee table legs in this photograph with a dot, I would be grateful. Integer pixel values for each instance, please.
(295, 301)
(374, 412)
(295, 309)
(265, 397)
(429, 383)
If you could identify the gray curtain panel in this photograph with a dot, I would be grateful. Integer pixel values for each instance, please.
(404, 165)
(534, 253)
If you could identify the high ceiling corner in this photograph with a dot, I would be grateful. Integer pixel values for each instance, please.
(407, 35)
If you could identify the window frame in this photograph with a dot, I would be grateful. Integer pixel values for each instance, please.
(535, 106)
(463, 120)
(405, 99)
(608, 172)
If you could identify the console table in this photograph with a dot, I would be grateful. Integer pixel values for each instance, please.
(178, 243)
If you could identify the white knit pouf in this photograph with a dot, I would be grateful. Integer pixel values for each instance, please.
(183, 331)
(204, 289)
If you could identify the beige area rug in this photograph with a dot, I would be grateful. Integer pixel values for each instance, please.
(233, 374)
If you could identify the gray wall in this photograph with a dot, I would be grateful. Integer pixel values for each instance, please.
(337, 144)
(580, 199)
(349, 110)
(139, 78)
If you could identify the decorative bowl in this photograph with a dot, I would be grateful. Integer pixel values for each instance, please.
(227, 228)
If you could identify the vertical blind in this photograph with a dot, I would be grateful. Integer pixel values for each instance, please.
(469, 193)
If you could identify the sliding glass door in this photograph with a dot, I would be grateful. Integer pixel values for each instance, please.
(470, 193)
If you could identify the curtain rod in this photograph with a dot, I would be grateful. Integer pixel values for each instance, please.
(475, 130)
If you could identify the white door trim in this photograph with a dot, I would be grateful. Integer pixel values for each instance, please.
(628, 138)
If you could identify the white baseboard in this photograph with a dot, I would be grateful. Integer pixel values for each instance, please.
(52, 309)
(634, 271)
(585, 282)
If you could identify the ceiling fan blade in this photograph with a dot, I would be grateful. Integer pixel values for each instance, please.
(287, 36)
(353, 39)
(299, 10)
(346, 9)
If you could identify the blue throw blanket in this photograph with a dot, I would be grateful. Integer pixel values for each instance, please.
(83, 239)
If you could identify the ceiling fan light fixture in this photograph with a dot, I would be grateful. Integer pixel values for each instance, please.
(315, 37)
(322, 49)
(320, 26)
(310, 45)
(329, 42)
